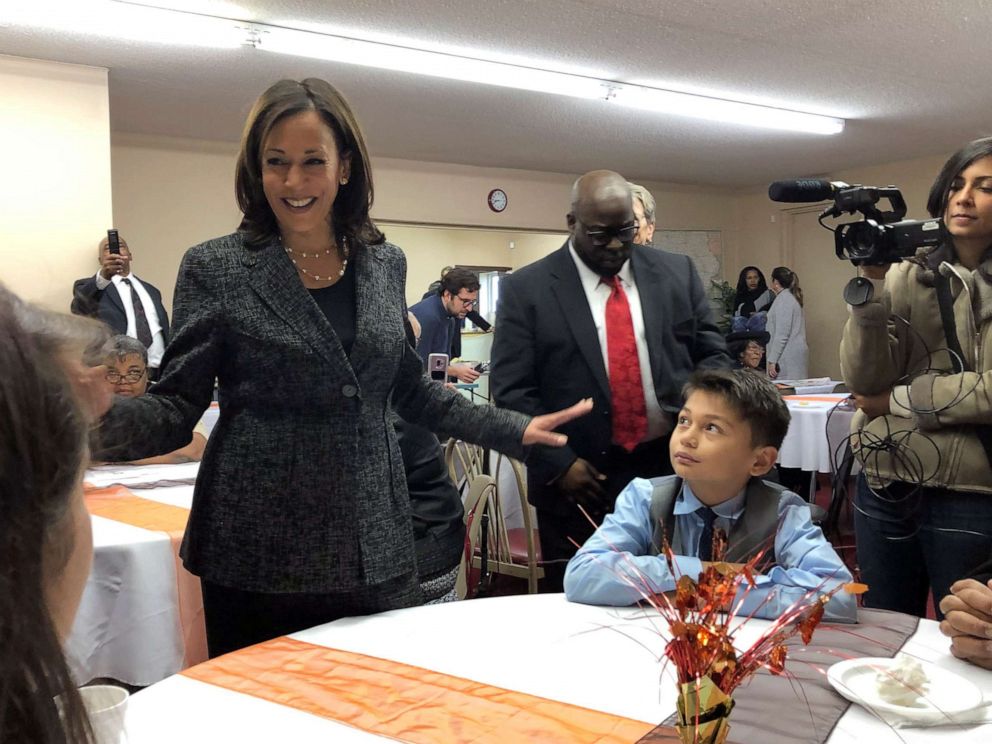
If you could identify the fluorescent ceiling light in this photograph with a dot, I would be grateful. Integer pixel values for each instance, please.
(122, 19)
(422, 62)
(718, 109)
(126, 21)
(470, 69)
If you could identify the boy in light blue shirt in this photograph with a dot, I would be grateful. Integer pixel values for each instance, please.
(726, 438)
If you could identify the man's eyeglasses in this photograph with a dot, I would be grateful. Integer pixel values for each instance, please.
(466, 302)
(131, 376)
(623, 233)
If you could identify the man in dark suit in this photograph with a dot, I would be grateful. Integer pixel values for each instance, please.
(605, 319)
(128, 305)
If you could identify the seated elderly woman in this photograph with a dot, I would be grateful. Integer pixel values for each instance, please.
(747, 348)
(127, 373)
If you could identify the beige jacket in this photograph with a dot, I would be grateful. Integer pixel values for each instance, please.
(929, 436)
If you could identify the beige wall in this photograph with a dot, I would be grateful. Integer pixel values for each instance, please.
(55, 197)
(170, 194)
(770, 234)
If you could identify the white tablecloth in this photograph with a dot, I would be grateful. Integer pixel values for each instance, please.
(128, 625)
(537, 644)
(808, 445)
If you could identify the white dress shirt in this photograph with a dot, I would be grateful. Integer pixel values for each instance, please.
(157, 349)
(597, 293)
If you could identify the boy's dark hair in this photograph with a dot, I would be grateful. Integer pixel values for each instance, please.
(752, 396)
(458, 279)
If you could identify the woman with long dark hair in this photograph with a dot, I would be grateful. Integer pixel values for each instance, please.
(924, 389)
(47, 403)
(300, 514)
(787, 352)
(752, 295)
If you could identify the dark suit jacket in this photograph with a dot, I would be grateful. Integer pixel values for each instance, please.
(546, 353)
(302, 487)
(106, 305)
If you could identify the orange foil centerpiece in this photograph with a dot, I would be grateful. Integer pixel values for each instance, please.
(702, 619)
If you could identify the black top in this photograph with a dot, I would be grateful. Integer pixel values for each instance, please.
(337, 302)
(438, 515)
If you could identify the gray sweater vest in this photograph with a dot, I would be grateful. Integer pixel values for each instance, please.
(754, 531)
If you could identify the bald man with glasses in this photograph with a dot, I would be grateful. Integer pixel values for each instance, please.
(607, 319)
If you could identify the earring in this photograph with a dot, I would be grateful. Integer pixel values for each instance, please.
(344, 181)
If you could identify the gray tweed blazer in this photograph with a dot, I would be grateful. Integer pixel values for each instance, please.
(302, 487)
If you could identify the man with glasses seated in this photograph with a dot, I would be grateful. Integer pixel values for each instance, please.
(440, 314)
(607, 319)
(126, 360)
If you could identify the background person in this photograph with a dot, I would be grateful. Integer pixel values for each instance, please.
(125, 303)
(440, 315)
(924, 515)
(787, 353)
(747, 348)
(752, 295)
(473, 315)
(644, 209)
(46, 409)
(300, 513)
(126, 361)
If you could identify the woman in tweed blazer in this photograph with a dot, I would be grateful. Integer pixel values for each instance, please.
(300, 513)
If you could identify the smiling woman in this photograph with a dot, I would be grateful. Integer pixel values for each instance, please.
(301, 513)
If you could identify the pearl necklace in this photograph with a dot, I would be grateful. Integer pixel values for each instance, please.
(326, 252)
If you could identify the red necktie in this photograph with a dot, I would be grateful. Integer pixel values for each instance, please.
(630, 418)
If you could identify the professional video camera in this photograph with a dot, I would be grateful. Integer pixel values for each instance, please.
(881, 237)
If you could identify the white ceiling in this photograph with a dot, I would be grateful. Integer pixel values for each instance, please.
(909, 75)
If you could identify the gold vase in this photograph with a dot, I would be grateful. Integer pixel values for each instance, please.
(704, 713)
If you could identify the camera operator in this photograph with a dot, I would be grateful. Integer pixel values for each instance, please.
(924, 513)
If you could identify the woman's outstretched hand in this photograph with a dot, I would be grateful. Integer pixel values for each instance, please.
(541, 428)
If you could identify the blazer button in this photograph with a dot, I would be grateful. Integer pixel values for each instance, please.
(349, 391)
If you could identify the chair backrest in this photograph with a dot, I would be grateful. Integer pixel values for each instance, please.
(464, 463)
(481, 494)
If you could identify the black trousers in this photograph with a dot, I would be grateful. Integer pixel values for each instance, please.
(558, 527)
(236, 618)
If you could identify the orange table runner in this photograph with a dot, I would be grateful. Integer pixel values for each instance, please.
(405, 702)
(119, 504)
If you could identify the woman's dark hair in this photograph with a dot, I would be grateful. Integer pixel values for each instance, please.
(742, 288)
(940, 192)
(790, 281)
(350, 213)
(42, 452)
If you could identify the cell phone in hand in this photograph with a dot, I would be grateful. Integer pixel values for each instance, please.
(437, 367)
(481, 367)
(113, 242)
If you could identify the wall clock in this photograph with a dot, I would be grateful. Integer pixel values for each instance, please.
(497, 200)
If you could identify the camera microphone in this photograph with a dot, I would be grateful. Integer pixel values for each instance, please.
(805, 190)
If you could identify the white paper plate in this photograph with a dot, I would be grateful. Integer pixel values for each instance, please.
(948, 694)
